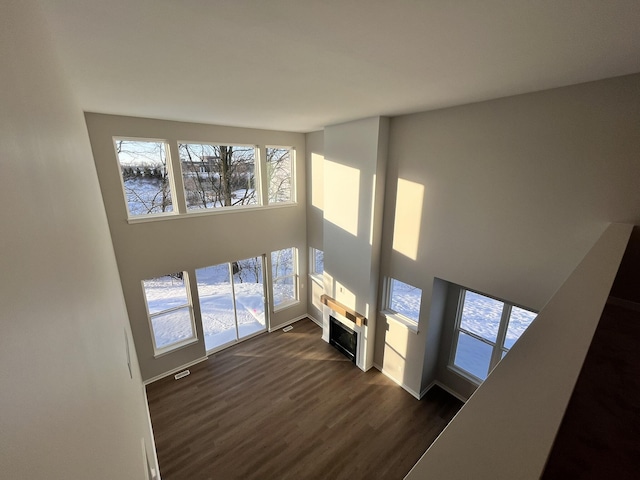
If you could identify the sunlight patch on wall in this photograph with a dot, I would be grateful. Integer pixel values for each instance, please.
(316, 292)
(345, 296)
(396, 347)
(341, 203)
(317, 180)
(408, 217)
(328, 283)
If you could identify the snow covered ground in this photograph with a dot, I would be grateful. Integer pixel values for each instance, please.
(216, 301)
(481, 315)
(405, 299)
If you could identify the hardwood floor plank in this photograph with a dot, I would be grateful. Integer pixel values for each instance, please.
(290, 406)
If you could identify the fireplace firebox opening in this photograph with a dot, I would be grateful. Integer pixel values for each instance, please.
(343, 338)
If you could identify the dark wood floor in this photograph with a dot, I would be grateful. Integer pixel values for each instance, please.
(600, 431)
(289, 406)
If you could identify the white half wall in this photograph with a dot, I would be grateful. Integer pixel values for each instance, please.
(508, 426)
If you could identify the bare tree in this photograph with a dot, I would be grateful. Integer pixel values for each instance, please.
(279, 174)
(143, 166)
(218, 175)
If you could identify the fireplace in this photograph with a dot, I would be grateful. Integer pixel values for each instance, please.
(343, 338)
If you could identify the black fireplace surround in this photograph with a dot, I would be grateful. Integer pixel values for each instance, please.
(343, 338)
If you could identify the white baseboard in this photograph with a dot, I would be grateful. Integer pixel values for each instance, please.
(175, 370)
(404, 387)
(288, 322)
(427, 388)
(313, 319)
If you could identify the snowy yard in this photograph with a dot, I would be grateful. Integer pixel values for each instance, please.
(481, 316)
(233, 307)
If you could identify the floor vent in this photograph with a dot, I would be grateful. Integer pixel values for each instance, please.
(287, 329)
(182, 374)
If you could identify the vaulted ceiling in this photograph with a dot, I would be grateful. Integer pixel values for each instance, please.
(302, 64)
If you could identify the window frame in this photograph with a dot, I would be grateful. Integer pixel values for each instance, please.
(390, 313)
(292, 180)
(176, 183)
(170, 178)
(158, 352)
(294, 276)
(234, 299)
(498, 350)
(257, 175)
(316, 276)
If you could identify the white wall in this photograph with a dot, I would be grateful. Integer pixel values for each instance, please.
(315, 210)
(515, 192)
(354, 175)
(69, 407)
(508, 426)
(146, 250)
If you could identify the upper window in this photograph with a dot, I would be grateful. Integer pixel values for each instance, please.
(145, 176)
(279, 173)
(217, 176)
(403, 302)
(284, 273)
(317, 264)
(169, 311)
(486, 329)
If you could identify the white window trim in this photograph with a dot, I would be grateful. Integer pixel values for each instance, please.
(257, 177)
(158, 352)
(291, 302)
(313, 274)
(497, 347)
(296, 281)
(178, 202)
(292, 157)
(206, 212)
(411, 324)
(172, 185)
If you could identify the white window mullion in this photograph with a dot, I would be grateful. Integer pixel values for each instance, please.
(175, 177)
(262, 182)
(233, 299)
(502, 331)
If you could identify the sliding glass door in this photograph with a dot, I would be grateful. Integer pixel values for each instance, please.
(232, 301)
(248, 285)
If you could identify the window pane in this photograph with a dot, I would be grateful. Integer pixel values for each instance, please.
(279, 162)
(481, 315)
(172, 327)
(519, 320)
(166, 292)
(405, 299)
(143, 166)
(249, 288)
(216, 305)
(283, 262)
(284, 290)
(218, 175)
(318, 261)
(473, 355)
